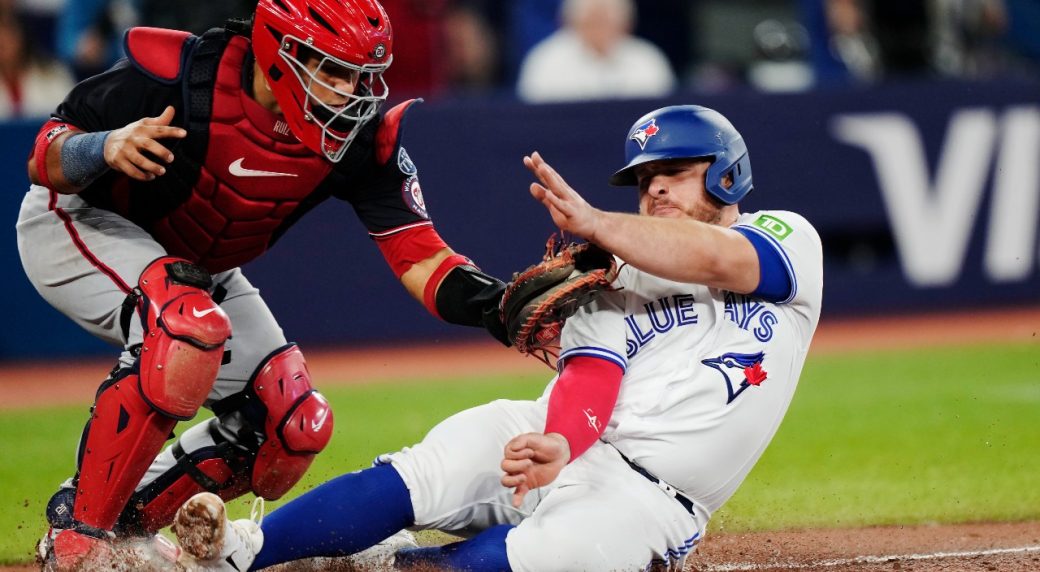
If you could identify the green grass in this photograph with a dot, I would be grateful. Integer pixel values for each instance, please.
(905, 437)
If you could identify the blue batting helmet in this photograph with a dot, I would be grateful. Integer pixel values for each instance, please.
(690, 132)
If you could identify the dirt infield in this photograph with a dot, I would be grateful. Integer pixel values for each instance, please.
(987, 546)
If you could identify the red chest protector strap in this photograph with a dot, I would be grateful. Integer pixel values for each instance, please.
(158, 52)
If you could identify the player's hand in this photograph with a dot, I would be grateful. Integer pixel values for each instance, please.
(125, 147)
(533, 460)
(568, 209)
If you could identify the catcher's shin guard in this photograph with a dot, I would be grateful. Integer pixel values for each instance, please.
(135, 410)
(265, 440)
(297, 422)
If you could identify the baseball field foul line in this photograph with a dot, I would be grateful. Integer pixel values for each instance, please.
(869, 560)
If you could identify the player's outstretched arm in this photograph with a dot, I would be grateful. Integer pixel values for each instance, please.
(533, 460)
(73, 159)
(684, 250)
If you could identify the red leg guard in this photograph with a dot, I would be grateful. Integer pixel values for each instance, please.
(297, 424)
(291, 421)
(184, 335)
(123, 437)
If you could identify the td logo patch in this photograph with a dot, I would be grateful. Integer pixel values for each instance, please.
(740, 371)
(773, 226)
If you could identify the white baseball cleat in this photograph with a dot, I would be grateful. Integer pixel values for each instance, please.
(212, 542)
(380, 557)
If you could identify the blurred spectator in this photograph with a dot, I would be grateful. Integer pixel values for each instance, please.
(33, 84)
(842, 44)
(780, 66)
(195, 16)
(471, 54)
(39, 19)
(903, 32)
(594, 56)
(667, 25)
(90, 34)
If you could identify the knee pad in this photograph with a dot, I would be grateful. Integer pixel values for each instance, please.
(292, 420)
(184, 335)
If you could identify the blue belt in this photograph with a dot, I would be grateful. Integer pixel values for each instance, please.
(668, 489)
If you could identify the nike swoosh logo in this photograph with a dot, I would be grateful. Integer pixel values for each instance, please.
(319, 422)
(195, 312)
(236, 169)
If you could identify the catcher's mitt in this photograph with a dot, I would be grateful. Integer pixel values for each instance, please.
(538, 300)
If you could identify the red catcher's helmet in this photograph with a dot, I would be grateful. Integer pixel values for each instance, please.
(345, 37)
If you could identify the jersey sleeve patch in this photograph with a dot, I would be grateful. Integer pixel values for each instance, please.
(774, 226)
(412, 193)
(157, 52)
(777, 281)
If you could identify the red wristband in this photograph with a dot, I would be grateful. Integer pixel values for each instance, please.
(582, 401)
(434, 282)
(47, 135)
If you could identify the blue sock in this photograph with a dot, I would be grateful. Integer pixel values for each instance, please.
(485, 552)
(343, 516)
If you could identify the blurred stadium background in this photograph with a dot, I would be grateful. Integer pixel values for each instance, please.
(907, 131)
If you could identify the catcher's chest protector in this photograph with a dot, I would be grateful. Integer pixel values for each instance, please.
(254, 173)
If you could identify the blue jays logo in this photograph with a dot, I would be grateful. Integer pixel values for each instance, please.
(745, 367)
(644, 132)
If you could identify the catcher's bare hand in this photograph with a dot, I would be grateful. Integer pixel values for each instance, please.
(533, 460)
(125, 147)
(568, 209)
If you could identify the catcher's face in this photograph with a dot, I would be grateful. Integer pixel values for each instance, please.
(675, 188)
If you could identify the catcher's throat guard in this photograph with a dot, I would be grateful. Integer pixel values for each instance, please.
(538, 301)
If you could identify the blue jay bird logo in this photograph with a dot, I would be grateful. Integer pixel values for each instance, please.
(745, 367)
(644, 132)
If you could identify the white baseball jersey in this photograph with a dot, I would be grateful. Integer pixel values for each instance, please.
(708, 373)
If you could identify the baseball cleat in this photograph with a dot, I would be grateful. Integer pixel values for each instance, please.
(380, 557)
(209, 541)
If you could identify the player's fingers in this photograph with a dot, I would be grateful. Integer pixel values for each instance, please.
(551, 179)
(516, 466)
(163, 118)
(123, 165)
(539, 192)
(518, 495)
(145, 164)
(162, 132)
(157, 149)
(512, 481)
(518, 443)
